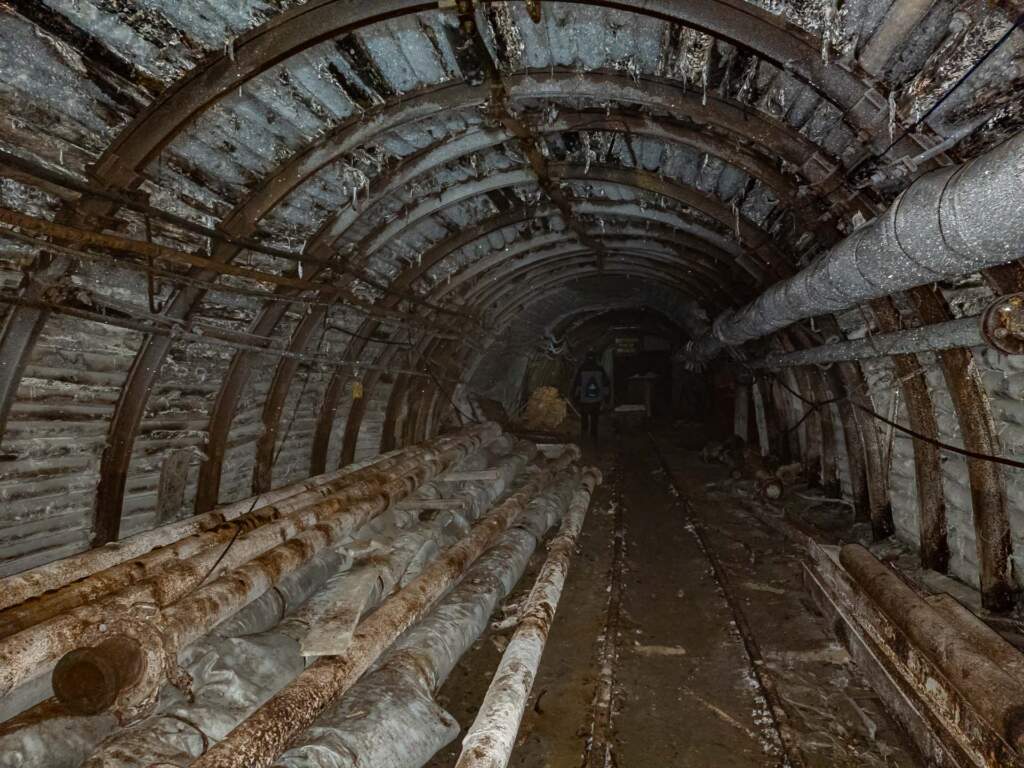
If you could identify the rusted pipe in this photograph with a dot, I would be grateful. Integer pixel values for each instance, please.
(996, 695)
(257, 741)
(397, 696)
(65, 584)
(165, 571)
(266, 560)
(490, 739)
(227, 687)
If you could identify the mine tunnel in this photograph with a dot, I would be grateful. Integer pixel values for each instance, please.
(464, 383)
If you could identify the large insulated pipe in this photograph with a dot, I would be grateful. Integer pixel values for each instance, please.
(948, 223)
(994, 693)
(264, 735)
(259, 558)
(490, 739)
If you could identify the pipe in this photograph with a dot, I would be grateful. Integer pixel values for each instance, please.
(331, 630)
(207, 542)
(963, 332)
(88, 680)
(264, 735)
(232, 674)
(994, 694)
(509, 455)
(491, 738)
(390, 717)
(172, 609)
(53, 576)
(950, 222)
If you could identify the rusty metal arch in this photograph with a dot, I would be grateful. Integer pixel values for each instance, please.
(302, 166)
(498, 269)
(329, 406)
(257, 52)
(332, 394)
(281, 382)
(529, 251)
(570, 268)
(740, 23)
(699, 201)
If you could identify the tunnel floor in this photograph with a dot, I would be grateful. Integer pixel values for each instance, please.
(718, 657)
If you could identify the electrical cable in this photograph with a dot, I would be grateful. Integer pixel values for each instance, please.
(896, 425)
(220, 558)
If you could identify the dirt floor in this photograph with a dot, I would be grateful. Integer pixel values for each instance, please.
(684, 636)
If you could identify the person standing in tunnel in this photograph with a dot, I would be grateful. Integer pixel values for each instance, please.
(591, 389)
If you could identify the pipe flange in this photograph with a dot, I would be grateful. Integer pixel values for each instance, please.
(158, 662)
(1002, 324)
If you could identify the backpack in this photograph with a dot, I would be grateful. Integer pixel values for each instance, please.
(590, 386)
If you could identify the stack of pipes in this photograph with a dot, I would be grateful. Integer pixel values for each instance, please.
(333, 641)
(163, 593)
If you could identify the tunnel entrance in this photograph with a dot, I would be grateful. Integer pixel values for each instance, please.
(641, 369)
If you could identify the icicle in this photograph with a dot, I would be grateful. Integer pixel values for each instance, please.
(892, 114)
(588, 152)
(704, 71)
(229, 49)
(736, 219)
(828, 28)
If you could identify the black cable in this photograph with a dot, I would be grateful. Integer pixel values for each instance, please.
(298, 400)
(906, 430)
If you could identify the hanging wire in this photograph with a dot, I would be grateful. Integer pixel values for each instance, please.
(815, 405)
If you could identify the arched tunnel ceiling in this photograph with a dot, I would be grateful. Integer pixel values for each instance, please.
(679, 156)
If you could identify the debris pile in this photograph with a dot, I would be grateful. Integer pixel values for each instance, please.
(546, 410)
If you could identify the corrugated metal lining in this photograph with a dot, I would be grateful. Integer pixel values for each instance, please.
(55, 435)
(65, 106)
